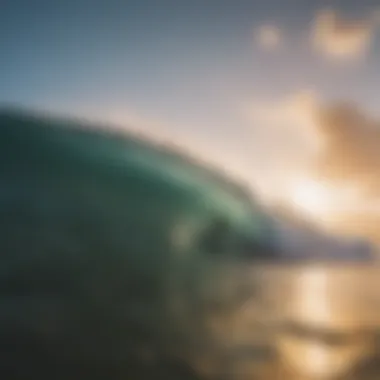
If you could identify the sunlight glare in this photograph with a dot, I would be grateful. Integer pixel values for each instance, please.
(312, 197)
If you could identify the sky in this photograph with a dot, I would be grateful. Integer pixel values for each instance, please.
(272, 91)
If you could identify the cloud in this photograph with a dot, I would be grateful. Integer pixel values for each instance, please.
(342, 139)
(339, 38)
(350, 159)
(269, 37)
(285, 125)
(337, 143)
(351, 152)
(283, 140)
(294, 111)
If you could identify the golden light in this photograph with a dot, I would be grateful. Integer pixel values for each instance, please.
(316, 301)
(312, 197)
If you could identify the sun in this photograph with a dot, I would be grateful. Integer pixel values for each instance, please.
(312, 197)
